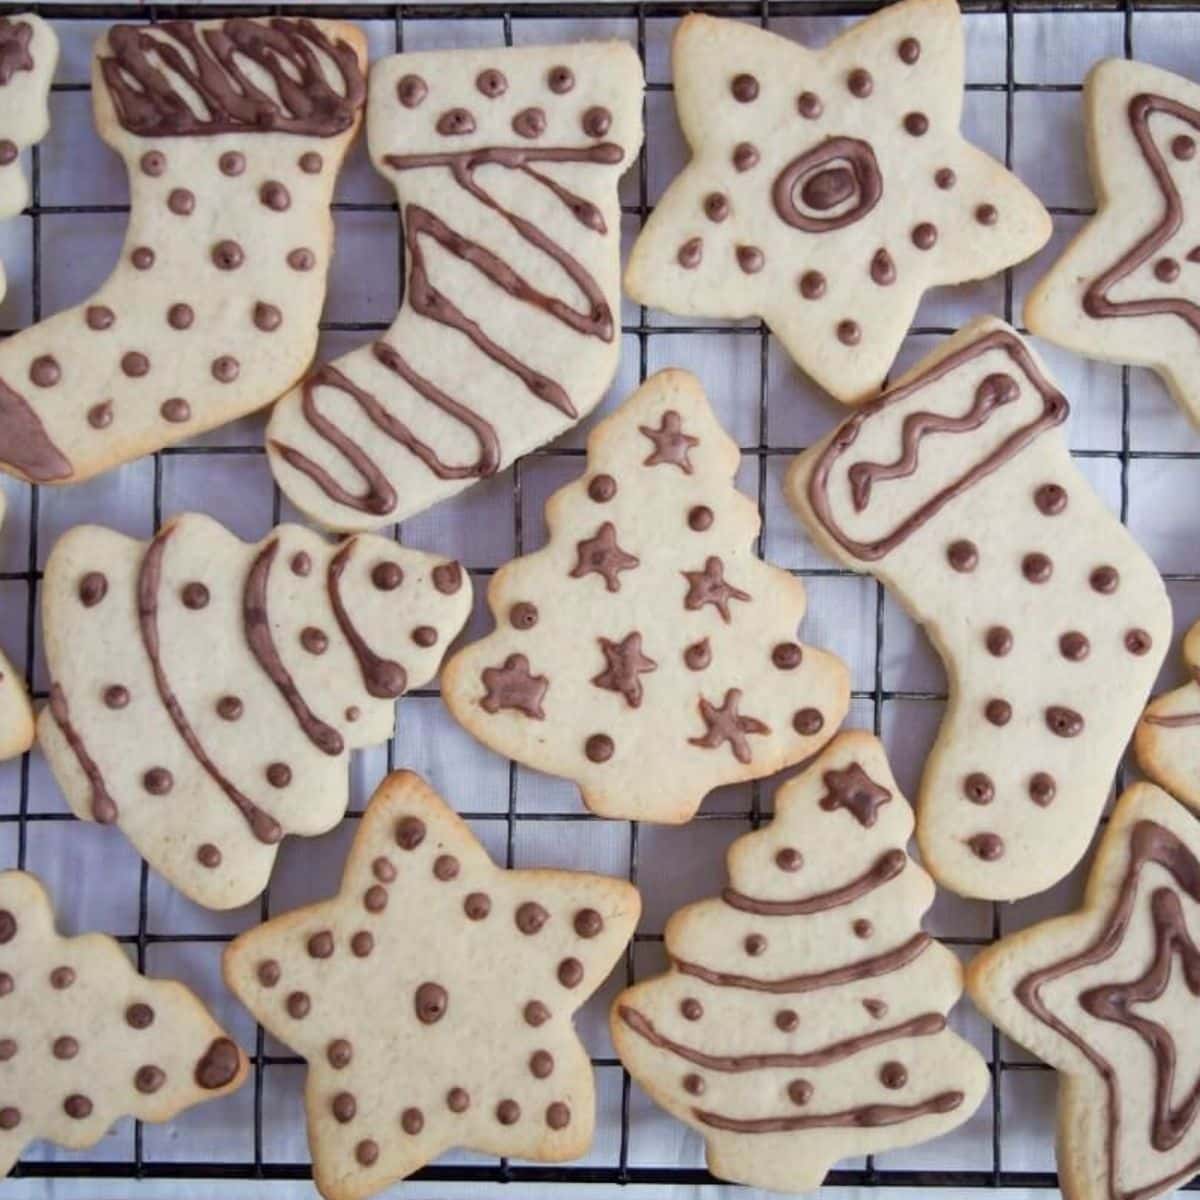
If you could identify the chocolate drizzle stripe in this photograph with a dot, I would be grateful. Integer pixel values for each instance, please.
(1054, 412)
(262, 825)
(924, 1025)
(383, 678)
(262, 646)
(866, 968)
(15, 38)
(886, 867)
(868, 1116)
(149, 105)
(104, 807)
(1149, 842)
(1095, 299)
(24, 444)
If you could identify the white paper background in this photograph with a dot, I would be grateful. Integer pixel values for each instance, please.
(95, 876)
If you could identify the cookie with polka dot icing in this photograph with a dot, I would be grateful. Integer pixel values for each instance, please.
(1127, 288)
(505, 164)
(28, 55)
(16, 716)
(433, 996)
(956, 489)
(232, 132)
(85, 1039)
(646, 652)
(206, 692)
(828, 189)
(802, 1019)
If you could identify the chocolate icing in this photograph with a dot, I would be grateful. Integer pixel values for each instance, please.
(885, 868)
(624, 664)
(868, 1116)
(990, 394)
(15, 37)
(262, 825)
(514, 686)
(854, 790)
(104, 808)
(709, 587)
(24, 443)
(826, 176)
(148, 104)
(383, 678)
(602, 555)
(671, 444)
(726, 724)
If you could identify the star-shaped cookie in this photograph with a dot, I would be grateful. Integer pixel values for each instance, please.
(1127, 289)
(85, 1039)
(432, 997)
(1108, 996)
(828, 188)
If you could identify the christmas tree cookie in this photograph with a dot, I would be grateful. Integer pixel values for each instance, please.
(85, 1039)
(1107, 996)
(232, 132)
(1127, 288)
(28, 55)
(205, 693)
(956, 489)
(505, 164)
(432, 997)
(645, 652)
(16, 717)
(828, 189)
(803, 1017)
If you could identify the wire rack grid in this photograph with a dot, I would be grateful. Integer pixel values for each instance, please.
(26, 804)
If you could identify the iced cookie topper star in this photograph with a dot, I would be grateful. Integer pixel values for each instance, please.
(1108, 996)
(433, 997)
(1127, 289)
(828, 189)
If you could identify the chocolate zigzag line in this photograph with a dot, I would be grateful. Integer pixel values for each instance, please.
(886, 867)
(595, 320)
(924, 1025)
(305, 105)
(262, 825)
(866, 968)
(868, 1116)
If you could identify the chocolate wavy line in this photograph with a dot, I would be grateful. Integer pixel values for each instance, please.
(1054, 411)
(383, 678)
(262, 646)
(595, 320)
(262, 825)
(1095, 299)
(866, 968)
(886, 867)
(868, 1116)
(24, 443)
(924, 1025)
(104, 807)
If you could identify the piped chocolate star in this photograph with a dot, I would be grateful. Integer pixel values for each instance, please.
(671, 444)
(854, 790)
(603, 556)
(624, 663)
(709, 587)
(513, 685)
(726, 724)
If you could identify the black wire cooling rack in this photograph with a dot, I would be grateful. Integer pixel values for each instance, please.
(402, 18)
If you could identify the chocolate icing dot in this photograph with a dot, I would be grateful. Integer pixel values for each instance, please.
(691, 1008)
(424, 636)
(8, 152)
(100, 415)
(311, 162)
(458, 1100)
(978, 788)
(999, 641)
(301, 563)
(998, 712)
(558, 1115)
(523, 615)
(1042, 788)
(457, 122)
(745, 156)
(135, 364)
(8, 1049)
(227, 255)
(375, 899)
(158, 781)
(530, 122)
(588, 923)
(1063, 722)
(275, 196)
(141, 1016)
(176, 410)
(599, 748)
(1166, 270)
(410, 832)
(987, 214)
(849, 333)
(45, 371)
(924, 235)
(301, 259)
(209, 856)
(602, 489)
(916, 124)
(883, 269)
(78, 1107)
(116, 696)
(893, 1075)
(1074, 646)
(232, 163)
(98, 317)
(266, 317)
(411, 90)
(909, 50)
(361, 944)
(61, 978)
(142, 258)
(693, 1084)
(339, 1053)
(800, 1092)
(716, 206)
(279, 774)
(530, 917)
(789, 859)
(1138, 641)
(570, 972)
(1050, 498)
(153, 163)
(560, 80)
(314, 640)
(536, 1013)
(387, 576)
(477, 906)
(412, 1121)
(344, 1108)
(812, 285)
(445, 867)
(744, 88)
(987, 846)
(10, 1117)
(755, 944)
(690, 254)
(366, 1152)
(225, 369)
(149, 1079)
(508, 1112)
(860, 83)
(1105, 580)
(962, 555)
(181, 202)
(384, 870)
(269, 972)
(1037, 567)
(700, 518)
(194, 595)
(1183, 147)
(541, 1064)
(93, 587)
(6, 983)
(491, 83)
(945, 178)
(787, 1020)
(809, 106)
(750, 259)
(787, 656)
(808, 721)
(180, 316)
(862, 928)
(597, 121)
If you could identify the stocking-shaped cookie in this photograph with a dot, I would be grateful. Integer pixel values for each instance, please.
(645, 652)
(1127, 288)
(433, 996)
(956, 489)
(28, 54)
(506, 164)
(16, 717)
(1108, 996)
(1167, 740)
(85, 1039)
(803, 1017)
(206, 693)
(232, 132)
(828, 188)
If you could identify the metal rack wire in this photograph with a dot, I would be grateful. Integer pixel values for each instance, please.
(621, 1170)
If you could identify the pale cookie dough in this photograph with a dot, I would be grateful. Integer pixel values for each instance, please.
(645, 652)
(828, 188)
(16, 716)
(1127, 288)
(205, 692)
(28, 55)
(1107, 996)
(956, 489)
(505, 164)
(432, 997)
(1167, 740)
(232, 132)
(803, 1017)
(85, 1039)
